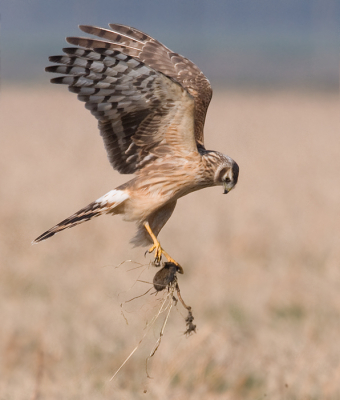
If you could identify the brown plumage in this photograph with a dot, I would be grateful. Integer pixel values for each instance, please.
(150, 104)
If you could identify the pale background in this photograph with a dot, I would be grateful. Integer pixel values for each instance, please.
(262, 269)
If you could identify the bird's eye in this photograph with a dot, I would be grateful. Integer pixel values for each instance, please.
(227, 180)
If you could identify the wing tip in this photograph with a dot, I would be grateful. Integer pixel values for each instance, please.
(50, 68)
(85, 28)
(60, 80)
(72, 40)
(54, 59)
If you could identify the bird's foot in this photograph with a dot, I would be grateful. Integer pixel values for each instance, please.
(159, 252)
(157, 248)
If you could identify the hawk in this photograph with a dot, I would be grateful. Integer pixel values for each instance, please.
(150, 104)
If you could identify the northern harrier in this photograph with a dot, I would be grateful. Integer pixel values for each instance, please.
(150, 104)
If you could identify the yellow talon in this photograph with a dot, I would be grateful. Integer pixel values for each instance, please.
(158, 252)
(157, 248)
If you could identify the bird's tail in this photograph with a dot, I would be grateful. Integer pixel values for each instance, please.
(104, 205)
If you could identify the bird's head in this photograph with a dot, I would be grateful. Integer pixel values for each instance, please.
(226, 174)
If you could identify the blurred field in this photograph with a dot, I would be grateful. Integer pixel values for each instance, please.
(262, 269)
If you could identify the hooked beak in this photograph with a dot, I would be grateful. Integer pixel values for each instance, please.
(226, 190)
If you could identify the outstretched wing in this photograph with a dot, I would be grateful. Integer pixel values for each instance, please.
(143, 47)
(147, 99)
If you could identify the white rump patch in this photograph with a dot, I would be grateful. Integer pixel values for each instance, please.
(113, 197)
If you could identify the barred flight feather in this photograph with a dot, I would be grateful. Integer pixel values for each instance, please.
(128, 81)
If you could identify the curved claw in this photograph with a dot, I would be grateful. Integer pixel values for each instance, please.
(158, 252)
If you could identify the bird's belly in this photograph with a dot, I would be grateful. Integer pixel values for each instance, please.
(140, 206)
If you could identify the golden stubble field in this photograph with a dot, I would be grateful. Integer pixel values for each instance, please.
(262, 270)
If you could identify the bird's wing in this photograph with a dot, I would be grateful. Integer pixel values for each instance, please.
(143, 47)
(148, 100)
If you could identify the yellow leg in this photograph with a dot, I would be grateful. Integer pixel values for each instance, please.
(157, 248)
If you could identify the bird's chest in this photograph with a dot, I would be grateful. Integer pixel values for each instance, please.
(160, 185)
(147, 197)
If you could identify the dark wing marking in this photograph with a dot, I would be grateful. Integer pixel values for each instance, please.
(143, 47)
(142, 113)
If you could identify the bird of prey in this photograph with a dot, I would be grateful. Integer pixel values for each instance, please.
(150, 104)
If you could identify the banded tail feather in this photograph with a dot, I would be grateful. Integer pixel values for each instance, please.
(104, 205)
